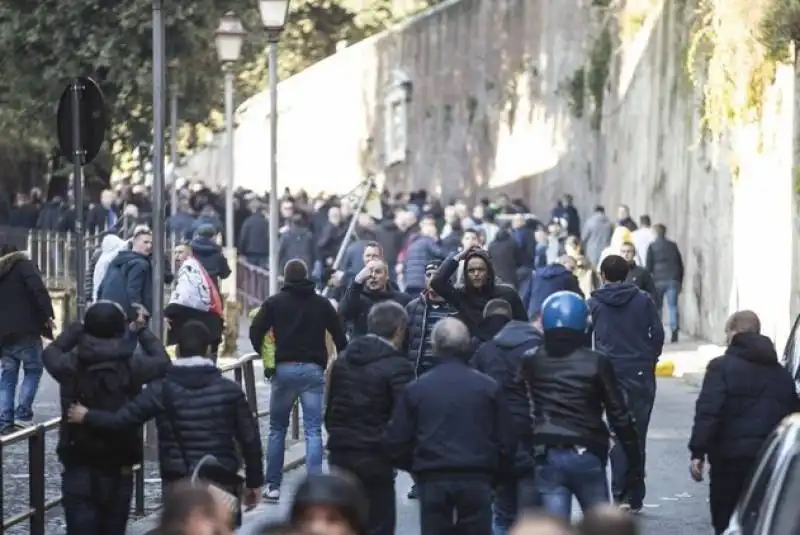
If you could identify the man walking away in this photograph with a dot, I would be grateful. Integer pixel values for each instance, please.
(94, 364)
(596, 234)
(500, 359)
(366, 382)
(198, 412)
(28, 316)
(665, 264)
(570, 387)
(452, 430)
(299, 319)
(556, 277)
(627, 329)
(745, 394)
(642, 237)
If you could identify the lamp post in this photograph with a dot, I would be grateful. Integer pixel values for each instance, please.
(274, 14)
(229, 37)
(173, 134)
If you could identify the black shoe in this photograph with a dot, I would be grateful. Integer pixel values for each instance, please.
(412, 494)
(674, 338)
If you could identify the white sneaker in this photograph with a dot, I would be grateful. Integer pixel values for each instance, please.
(272, 495)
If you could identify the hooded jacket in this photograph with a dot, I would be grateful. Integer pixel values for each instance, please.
(299, 319)
(109, 248)
(469, 301)
(26, 302)
(627, 327)
(365, 383)
(128, 281)
(210, 255)
(423, 314)
(745, 394)
(64, 359)
(549, 280)
(358, 300)
(500, 358)
(208, 411)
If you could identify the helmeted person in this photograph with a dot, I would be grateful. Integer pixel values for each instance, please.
(570, 387)
(479, 288)
(500, 359)
(94, 364)
(628, 330)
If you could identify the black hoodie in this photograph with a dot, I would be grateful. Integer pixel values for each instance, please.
(470, 301)
(299, 319)
(27, 304)
(358, 300)
(365, 383)
(745, 394)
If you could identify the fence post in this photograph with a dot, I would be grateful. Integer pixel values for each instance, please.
(250, 387)
(296, 421)
(2, 493)
(36, 486)
(138, 488)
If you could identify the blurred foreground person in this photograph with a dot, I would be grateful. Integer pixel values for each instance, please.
(570, 387)
(745, 395)
(330, 504)
(607, 520)
(541, 524)
(94, 365)
(365, 384)
(452, 430)
(199, 412)
(192, 510)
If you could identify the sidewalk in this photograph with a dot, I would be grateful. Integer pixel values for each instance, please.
(687, 358)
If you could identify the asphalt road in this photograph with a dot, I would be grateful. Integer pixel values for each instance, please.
(674, 505)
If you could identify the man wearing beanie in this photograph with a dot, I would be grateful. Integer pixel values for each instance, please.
(94, 364)
(198, 412)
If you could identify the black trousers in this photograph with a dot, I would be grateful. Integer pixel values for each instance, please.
(96, 502)
(456, 505)
(727, 482)
(377, 477)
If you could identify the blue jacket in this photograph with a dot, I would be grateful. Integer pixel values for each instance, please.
(209, 254)
(128, 281)
(199, 222)
(547, 281)
(421, 251)
(627, 327)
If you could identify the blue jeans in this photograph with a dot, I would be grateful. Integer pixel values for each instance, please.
(566, 472)
(639, 391)
(27, 354)
(669, 291)
(295, 380)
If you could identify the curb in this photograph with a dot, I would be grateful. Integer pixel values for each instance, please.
(147, 523)
(683, 363)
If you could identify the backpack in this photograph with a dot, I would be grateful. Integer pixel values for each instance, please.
(106, 386)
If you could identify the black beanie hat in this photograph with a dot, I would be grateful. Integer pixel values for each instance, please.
(337, 490)
(105, 319)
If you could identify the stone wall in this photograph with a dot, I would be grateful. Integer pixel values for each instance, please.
(492, 109)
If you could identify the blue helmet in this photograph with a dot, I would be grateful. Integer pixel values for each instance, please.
(565, 310)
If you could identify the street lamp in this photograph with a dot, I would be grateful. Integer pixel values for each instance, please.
(173, 133)
(229, 37)
(274, 14)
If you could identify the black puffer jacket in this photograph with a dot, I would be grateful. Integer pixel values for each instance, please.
(64, 358)
(27, 305)
(365, 383)
(210, 414)
(745, 394)
(419, 323)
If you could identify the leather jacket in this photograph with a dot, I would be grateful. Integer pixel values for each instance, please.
(569, 394)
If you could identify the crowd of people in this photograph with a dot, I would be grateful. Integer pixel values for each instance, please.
(485, 351)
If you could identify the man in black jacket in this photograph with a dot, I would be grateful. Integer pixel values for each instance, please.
(26, 316)
(299, 319)
(369, 287)
(745, 394)
(452, 431)
(366, 382)
(665, 264)
(97, 481)
(198, 412)
(637, 275)
(570, 387)
(479, 288)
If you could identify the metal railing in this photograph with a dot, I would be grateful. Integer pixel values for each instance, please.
(38, 503)
(252, 284)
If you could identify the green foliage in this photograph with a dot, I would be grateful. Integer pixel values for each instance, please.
(779, 28)
(597, 73)
(576, 92)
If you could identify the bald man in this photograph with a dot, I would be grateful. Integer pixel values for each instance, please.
(452, 430)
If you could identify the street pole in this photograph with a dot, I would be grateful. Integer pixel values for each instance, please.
(274, 234)
(159, 122)
(173, 143)
(229, 156)
(77, 193)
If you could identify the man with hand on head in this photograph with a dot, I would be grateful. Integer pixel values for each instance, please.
(369, 287)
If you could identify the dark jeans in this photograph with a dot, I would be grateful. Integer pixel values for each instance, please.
(511, 499)
(96, 503)
(377, 477)
(455, 505)
(564, 473)
(668, 291)
(727, 482)
(639, 391)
